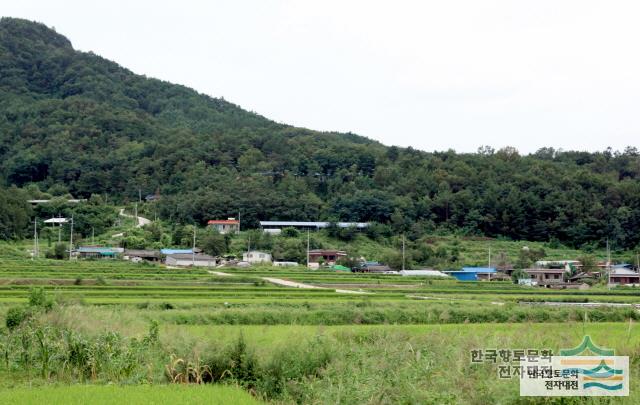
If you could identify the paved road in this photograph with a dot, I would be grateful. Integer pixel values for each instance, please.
(141, 221)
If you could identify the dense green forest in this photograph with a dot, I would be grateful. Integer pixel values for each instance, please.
(73, 122)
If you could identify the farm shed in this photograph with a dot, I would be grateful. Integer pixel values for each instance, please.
(182, 259)
(255, 256)
(176, 251)
(275, 226)
(139, 255)
(285, 264)
(98, 252)
(473, 273)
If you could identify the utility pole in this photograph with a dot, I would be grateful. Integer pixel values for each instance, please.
(35, 238)
(71, 239)
(93, 235)
(239, 221)
(193, 251)
(307, 248)
(608, 265)
(403, 251)
(135, 216)
(139, 195)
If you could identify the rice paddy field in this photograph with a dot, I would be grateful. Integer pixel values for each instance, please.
(116, 332)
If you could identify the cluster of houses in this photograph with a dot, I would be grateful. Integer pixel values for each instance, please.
(556, 274)
(550, 274)
(195, 257)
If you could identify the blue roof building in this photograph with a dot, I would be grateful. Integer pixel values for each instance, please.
(473, 273)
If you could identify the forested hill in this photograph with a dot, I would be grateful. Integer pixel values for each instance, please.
(75, 122)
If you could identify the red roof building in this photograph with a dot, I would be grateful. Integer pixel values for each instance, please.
(230, 225)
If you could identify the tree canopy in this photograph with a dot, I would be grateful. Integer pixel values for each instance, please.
(76, 122)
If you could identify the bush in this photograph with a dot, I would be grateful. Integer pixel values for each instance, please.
(38, 298)
(15, 316)
(59, 251)
(290, 232)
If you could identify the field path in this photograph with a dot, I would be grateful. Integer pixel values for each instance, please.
(219, 273)
(141, 220)
(288, 283)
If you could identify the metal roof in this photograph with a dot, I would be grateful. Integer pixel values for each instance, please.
(176, 251)
(98, 249)
(56, 221)
(479, 269)
(197, 257)
(142, 252)
(313, 224)
(623, 272)
(223, 222)
(74, 201)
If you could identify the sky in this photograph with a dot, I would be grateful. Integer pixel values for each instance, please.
(434, 75)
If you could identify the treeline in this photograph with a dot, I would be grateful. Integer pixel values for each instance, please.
(72, 122)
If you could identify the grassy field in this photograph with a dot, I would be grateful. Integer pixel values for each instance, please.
(406, 340)
(141, 394)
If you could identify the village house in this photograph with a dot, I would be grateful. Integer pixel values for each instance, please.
(193, 259)
(255, 257)
(624, 276)
(546, 277)
(326, 256)
(223, 226)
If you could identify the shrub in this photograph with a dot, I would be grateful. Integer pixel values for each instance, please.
(59, 251)
(38, 298)
(15, 317)
(290, 232)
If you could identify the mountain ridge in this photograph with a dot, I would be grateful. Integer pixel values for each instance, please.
(75, 122)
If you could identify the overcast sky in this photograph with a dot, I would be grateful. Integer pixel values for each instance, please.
(429, 74)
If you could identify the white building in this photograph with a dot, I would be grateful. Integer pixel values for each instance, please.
(185, 259)
(285, 264)
(423, 273)
(255, 256)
